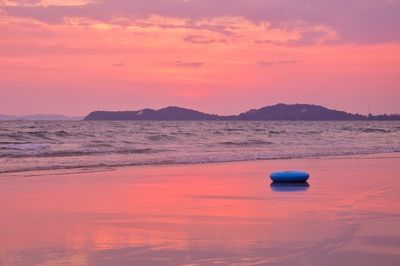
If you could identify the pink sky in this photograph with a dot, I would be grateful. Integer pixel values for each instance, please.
(219, 56)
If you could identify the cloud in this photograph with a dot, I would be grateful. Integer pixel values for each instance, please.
(308, 34)
(198, 39)
(171, 23)
(367, 21)
(279, 62)
(119, 64)
(43, 3)
(184, 64)
(275, 42)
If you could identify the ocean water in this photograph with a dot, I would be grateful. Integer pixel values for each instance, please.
(28, 146)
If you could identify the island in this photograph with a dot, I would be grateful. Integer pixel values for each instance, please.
(278, 112)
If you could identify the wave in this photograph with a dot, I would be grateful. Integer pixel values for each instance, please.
(40, 134)
(160, 137)
(374, 130)
(22, 146)
(48, 145)
(62, 133)
(276, 132)
(245, 143)
(183, 161)
(369, 129)
(39, 151)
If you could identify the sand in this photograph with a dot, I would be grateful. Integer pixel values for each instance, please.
(218, 214)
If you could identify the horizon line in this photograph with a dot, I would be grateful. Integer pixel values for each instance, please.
(189, 108)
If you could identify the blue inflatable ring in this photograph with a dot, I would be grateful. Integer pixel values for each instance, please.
(289, 176)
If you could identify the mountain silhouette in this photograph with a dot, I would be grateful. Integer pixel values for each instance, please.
(38, 117)
(304, 112)
(278, 112)
(168, 113)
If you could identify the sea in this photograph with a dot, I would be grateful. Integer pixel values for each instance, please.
(91, 145)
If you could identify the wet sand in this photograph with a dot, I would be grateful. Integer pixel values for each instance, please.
(222, 214)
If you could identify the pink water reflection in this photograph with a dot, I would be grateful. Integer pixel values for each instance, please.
(202, 214)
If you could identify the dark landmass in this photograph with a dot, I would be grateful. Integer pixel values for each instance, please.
(38, 117)
(6, 117)
(384, 117)
(303, 112)
(279, 112)
(168, 113)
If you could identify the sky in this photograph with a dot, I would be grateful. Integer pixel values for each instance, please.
(218, 56)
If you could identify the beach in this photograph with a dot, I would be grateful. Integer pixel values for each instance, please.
(205, 214)
(149, 133)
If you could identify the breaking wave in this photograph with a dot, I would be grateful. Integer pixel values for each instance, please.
(27, 146)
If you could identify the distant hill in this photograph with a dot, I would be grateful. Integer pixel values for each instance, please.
(6, 117)
(384, 117)
(279, 112)
(168, 113)
(303, 112)
(39, 117)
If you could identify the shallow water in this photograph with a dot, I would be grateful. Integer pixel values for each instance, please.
(26, 146)
(211, 214)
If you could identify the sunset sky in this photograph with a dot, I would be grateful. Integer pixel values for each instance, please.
(219, 56)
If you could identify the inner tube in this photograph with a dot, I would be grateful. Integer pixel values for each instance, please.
(289, 176)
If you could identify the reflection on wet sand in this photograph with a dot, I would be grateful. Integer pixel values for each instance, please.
(205, 214)
(289, 187)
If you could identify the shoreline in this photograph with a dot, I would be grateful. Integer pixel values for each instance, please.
(77, 170)
(226, 213)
